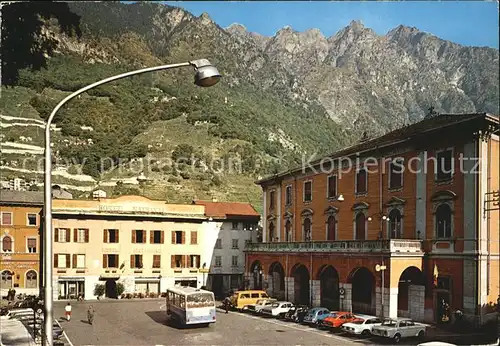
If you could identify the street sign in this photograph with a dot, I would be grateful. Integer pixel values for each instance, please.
(342, 291)
(204, 270)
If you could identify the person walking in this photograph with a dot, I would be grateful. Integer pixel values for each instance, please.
(90, 314)
(67, 310)
(226, 304)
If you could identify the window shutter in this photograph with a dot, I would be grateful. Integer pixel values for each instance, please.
(74, 261)
(117, 261)
(105, 236)
(87, 235)
(132, 261)
(56, 262)
(151, 237)
(194, 237)
(183, 261)
(68, 260)
(56, 235)
(104, 261)
(140, 261)
(183, 237)
(189, 264)
(156, 261)
(162, 240)
(172, 261)
(133, 236)
(75, 235)
(117, 236)
(68, 235)
(173, 237)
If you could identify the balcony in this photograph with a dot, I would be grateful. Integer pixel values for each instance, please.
(392, 246)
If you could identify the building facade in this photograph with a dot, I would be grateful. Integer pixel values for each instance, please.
(19, 241)
(236, 225)
(146, 245)
(406, 224)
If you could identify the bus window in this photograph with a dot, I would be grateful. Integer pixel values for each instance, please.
(182, 302)
(198, 300)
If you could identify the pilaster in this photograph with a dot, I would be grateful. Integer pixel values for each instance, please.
(315, 292)
(279, 214)
(346, 302)
(416, 302)
(390, 302)
(421, 196)
(290, 289)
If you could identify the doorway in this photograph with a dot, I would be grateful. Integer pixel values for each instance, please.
(111, 288)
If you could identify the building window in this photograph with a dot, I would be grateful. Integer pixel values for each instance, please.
(272, 196)
(110, 261)
(81, 235)
(361, 181)
(360, 226)
(395, 225)
(234, 261)
(6, 218)
(178, 237)
(62, 261)
(156, 261)
(332, 186)
(31, 244)
(79, 261)
(62, 235)
(235, 225)
(288, 230)
(136, 261)
(235, 244)
(331, 225)
(138, 236)
(178, 261)
(288, 195)
(111, 236)
(218, 244)
(156, 237)
(396, 168)
(194, 237)
(443, 221)
(7, 244)
(6, 279)
(307, 229)
(271, 232)
(218, 261)
(444, 165)
(31, 219)
(31, 279)
(308, 191)
(194, 261)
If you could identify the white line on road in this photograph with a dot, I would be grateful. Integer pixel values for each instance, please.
(64, 333)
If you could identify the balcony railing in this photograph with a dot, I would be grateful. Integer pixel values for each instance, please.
(382, 246)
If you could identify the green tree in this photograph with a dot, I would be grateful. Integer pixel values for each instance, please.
(183, 153)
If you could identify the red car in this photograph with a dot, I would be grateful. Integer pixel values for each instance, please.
(337, 319)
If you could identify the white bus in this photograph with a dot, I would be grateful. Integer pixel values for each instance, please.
(189, 305)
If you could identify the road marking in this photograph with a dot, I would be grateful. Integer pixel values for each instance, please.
(161, 307)
(308, 330)
(64, 333)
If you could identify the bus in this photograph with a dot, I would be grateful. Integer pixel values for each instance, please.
(190, 306)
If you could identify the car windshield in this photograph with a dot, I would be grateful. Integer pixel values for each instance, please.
(198, 300)
(389, 323)
(358, 321)
(264, 295)
(334, 315)
(275, 305)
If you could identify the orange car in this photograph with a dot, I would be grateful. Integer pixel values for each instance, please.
(336, 320)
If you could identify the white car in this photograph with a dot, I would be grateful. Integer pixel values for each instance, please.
(278, 309)
(361, 325)
(399, 328)
(259, 305)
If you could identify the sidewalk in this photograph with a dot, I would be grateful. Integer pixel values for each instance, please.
(13, 332)
(437, 334)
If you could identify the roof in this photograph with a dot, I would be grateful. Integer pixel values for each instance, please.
(403, 134)
(227, 210)
(187, 290)
(21, 197)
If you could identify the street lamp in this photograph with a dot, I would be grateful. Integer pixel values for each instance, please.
(381, 268)
(206, 75)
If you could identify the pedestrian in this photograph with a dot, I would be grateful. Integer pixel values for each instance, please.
(90, 314)
(226, 304)
(67, 310)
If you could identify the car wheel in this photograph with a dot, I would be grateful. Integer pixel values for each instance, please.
(421, 334)
(365, 332)
(397, 338)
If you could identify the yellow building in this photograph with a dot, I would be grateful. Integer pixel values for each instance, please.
(19, 244)
(146, 245)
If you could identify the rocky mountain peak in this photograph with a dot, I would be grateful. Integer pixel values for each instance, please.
(236, 28)
(402, 33)
(205, 19)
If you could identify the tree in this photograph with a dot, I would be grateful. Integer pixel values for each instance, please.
(24, 45)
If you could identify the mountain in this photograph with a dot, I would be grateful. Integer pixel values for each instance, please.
(280, 98)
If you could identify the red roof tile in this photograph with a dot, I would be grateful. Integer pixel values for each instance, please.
(227, 209)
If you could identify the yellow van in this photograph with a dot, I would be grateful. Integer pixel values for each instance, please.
(242, 298)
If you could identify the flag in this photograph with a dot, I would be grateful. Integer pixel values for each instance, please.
(435, 275)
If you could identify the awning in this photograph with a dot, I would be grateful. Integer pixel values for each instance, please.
(146, 279)
(71, 278)
(111, 276)
(185, 279)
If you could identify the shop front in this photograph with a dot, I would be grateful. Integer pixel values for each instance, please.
(187, 281)
(147, 285)
(71, 287)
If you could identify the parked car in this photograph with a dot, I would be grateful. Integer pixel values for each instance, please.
(259, 305)
(312, 315)
(296, 313)
(320, 320)
(361, 325)
(16, 311)
(277, 309)
(336, 320)
(399, 328)
(241, 298)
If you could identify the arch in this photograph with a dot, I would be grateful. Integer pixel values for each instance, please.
(31, 279)
(363, 290)
(331, 210)
(307, 212)
(395, 224)
(7, 244)
(329, 287)
(6, 281)
(360, 206)
(411, 294)
(360, 226)
(288, 230)
(331, 228)
(395, 201)
(271, 232)
(301, 276)
(443, 221)
(306, 229)
(277, 280)
(443, 195)
(256, 270)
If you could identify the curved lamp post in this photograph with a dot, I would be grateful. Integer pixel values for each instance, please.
(206, 75)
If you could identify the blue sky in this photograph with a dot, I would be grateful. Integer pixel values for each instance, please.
(472, 23)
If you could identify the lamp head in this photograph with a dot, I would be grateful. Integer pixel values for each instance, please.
(340, 198)
(206, 74)
(369, 218)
